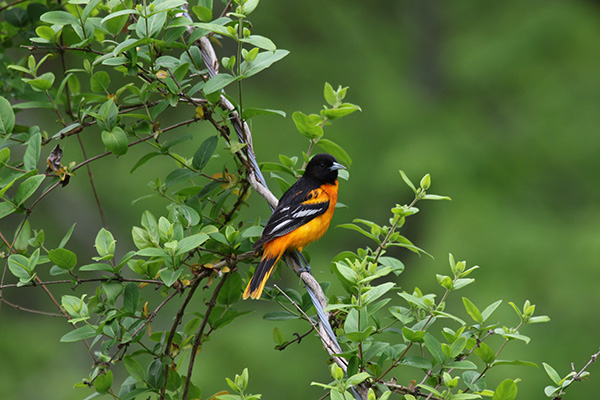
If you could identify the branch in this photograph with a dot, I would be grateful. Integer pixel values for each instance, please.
(11, 4)
(29, 310)
(194, 285)
(198, 340)
(248, 159)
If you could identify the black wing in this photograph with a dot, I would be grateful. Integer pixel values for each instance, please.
(301, 203)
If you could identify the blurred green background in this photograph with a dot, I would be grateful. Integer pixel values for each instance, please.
(498, 101)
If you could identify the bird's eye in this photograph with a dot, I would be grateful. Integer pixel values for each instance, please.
(322, 165)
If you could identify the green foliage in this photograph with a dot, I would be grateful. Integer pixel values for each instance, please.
(129, 65)
(454, 367)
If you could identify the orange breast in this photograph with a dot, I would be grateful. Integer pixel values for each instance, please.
(309, 232)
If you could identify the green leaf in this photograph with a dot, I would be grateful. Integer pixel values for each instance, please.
(552, 374)
(32, 153)
(435, 348)
(115, 21)
(538, 319)
(103, 382)
(335, 150)
(112, 61)
(4, 155)
(67, 236)
(231, 290)
(190, 243)
(253, 112)
(217, 82)
(278, 336)
(84, 332)
(340, 111)
(112, 289)
(115, 141)
(280, 316)
(458, 346)
(357, 228)
(376, 292)
(151, 26)
(168, 5)
(276, 167)
(356, 321)
(489, 310)
(414, 300)
(203, 13)
(170, 277)
(7, 117)
(474, 381)
(105, 244)
(181, 175)
(22, 239)
(152, 252)
(63, 258)
(42, 82)
(212, 27)
(506, 390)
(253, 231)
(90, 6)
(407, 181)
(472, 310)
(360, 336)
(306, 126)
(249, 6)
(464, 364)
(151, 226)
(19, 266)
(117, 14)
(134, 368)
(16, 17)
(144, 160)
(520, 363)
(205, 152)
(27, 189)
(329, 94)
(260, 42)
(99, 82)
(6, 209)
(107, 115)
(59, 18)
(131, 297)
(346, 272)
(155, 374)
(485, 353)
(96, 267)
(515, 336)
(416, 362)
(358, 378)
(262, 61)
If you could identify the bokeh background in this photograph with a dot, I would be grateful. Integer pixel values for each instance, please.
(498, 101)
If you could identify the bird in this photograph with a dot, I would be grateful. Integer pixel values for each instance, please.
(302, 216)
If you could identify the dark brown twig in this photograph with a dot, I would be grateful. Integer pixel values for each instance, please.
(198, 340)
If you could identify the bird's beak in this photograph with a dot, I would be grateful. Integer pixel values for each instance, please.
(336, 166)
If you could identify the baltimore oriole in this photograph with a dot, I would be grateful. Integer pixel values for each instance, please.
(301, 217)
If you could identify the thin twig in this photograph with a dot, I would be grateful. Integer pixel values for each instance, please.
(592, 359)
(87, 280)
(11, 4)
(198, 340)
(178, 317)
(29, 310)
(153, 313)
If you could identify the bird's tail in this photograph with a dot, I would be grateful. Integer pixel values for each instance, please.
(263, 271)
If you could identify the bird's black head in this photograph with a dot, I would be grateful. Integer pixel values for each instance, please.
(323, 168)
